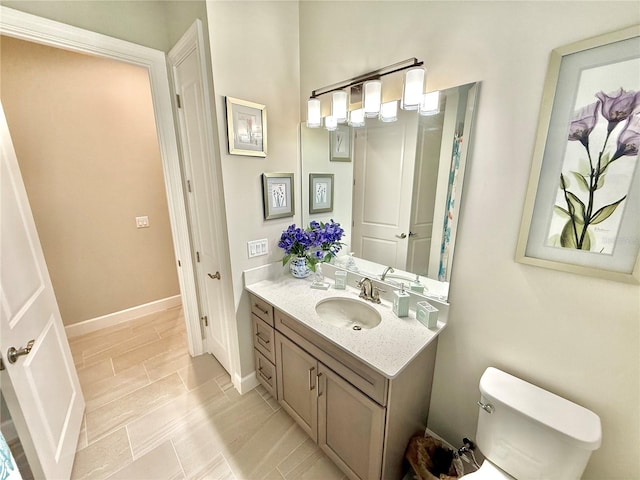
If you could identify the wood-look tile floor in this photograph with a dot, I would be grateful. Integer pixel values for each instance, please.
(154, 412)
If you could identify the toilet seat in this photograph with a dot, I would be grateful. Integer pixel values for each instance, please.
(488, 471)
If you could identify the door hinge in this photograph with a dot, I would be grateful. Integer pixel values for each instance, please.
(198, 257)
(205, 320)
(189, 186)
(179, 263)
(178, 101)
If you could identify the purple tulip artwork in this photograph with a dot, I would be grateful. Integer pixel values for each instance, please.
(602, 153)
(582, 210)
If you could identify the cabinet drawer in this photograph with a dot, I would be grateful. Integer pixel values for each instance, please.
(266, 374)
(263, 339)
(262, 309)
(351, 369)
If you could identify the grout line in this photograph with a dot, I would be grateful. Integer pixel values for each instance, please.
(178, 458)
(126, 429)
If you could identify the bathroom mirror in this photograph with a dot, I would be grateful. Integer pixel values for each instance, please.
(397, 189)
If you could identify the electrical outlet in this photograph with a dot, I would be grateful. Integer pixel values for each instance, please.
(142, 222)
(256, 248)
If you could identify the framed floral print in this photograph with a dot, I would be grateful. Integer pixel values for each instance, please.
(340, 140)
(277, 195)
(246, 128)
(320, 192)
(582, 210)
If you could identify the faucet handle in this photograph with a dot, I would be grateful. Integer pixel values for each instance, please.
(375, 294)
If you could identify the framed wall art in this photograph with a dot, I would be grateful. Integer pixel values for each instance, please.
(277, 193)
(340, 140)
(582, 210)
(246, 128)
(320, 192)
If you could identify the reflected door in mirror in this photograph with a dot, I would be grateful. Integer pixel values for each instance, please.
(384, 159)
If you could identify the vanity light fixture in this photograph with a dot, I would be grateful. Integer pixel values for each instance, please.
(372, 98)
(314, 118)
(356, 118)
(330, 123)
(339, 106)
(389, 111)
(370, 86)
(430, 104)
(413, 88)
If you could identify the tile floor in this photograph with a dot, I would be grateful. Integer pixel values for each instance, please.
(153, 412)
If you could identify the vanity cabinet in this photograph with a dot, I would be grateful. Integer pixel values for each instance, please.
(264, 344)
(361, 419)
(347, 425)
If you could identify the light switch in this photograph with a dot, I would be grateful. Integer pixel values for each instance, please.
(257, 247)
(142, 222)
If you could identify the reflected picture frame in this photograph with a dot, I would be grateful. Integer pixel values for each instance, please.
(582, 211)
(277, 195)
(246, 127)
(340, 144)
(320, 192)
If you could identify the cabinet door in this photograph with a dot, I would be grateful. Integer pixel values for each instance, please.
(350, 426)
(297, 373)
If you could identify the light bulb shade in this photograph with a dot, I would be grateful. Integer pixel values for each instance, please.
(330, 123)
(389, 111)
(413, 88)
(314, 119)
(339, 105)
(372, 96)
(430, 104)
(356, 118)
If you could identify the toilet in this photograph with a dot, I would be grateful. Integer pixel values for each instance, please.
(527, 433)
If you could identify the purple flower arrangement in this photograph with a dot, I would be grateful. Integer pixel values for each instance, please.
(319, 242)
(619, 108)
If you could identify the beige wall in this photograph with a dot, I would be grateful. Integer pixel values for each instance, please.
(84, 133)
(254, 52)
(575, 335)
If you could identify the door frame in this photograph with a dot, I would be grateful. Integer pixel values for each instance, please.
(40, 30)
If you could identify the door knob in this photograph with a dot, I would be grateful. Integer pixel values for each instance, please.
(13, 354)
(402, 235)
(215, 276)
(411, 234)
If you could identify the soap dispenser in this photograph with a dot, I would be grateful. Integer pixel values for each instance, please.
(416, 286)
(401, 302)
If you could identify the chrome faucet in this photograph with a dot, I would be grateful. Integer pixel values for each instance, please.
(368, 291)
(386, 270)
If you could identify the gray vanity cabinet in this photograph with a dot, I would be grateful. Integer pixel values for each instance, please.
(350, 426)
(297, 391)
(264, 344)
(347, 425)
(361, 419)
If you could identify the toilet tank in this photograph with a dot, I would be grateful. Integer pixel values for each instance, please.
(532, 433)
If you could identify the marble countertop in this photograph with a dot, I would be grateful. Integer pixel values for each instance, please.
(387, 348)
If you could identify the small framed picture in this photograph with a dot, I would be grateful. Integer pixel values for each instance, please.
(278, 200)
(320, 192)
(246, 128)
(341, 144)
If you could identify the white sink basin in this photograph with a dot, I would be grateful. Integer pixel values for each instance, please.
(348, 313)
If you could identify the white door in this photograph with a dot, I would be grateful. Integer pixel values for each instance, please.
(424, 193)
(384, 159)
(198, 159)
(41, 386)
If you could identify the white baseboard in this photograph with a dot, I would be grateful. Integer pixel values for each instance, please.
(115, 318)
(245, 384)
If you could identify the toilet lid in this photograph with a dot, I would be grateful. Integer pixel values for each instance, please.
(488, 471)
